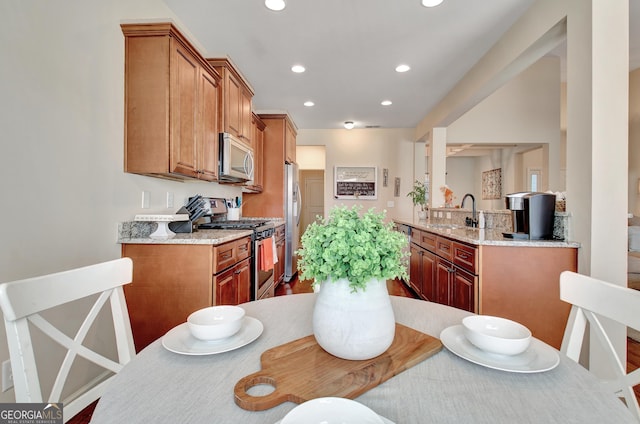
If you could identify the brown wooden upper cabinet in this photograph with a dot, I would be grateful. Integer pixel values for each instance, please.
(171, 105)
(290, 142)
(257, 142)
(236, 96)
(279, 147)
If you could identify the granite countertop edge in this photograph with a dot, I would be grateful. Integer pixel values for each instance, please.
(213, 237)
(486, 237)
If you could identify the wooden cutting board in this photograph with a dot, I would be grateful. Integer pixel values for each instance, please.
(301, 370)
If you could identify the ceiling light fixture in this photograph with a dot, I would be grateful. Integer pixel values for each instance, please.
(402, 68)
(309, 103)
(298, 69)
(431, 3)
(349, 125)
(386, 103)
(276, 5)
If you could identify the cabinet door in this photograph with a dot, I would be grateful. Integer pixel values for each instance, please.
(184, 108)
(290, 143)
(442, 276)
(415, 268)
(242, 275)
(463, 290)
(233, 105)
(208, 138)
(225, 287)
(245, 116)
(428, 275)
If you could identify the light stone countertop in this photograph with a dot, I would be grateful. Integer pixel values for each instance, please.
(484, 237)
(212, 237)
(137, 232)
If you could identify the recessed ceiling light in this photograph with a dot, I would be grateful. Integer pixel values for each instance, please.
(349, 125)
(402, 68)
(431, 3)
(298, 69)
(276, 5)
(309, 103)
(386, 102)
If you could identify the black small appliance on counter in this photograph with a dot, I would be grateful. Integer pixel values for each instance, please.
(533, 215)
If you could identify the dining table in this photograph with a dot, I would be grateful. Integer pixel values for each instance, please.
(168, 385)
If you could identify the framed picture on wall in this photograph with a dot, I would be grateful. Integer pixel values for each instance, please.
(492, 184)
(355, 182)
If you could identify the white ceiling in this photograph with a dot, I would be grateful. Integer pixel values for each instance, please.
(350, 49)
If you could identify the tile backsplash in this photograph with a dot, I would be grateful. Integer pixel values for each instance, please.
(499, 220)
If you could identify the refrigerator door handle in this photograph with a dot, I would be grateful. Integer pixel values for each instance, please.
(299, 206)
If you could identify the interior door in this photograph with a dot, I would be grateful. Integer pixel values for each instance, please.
(312, 191)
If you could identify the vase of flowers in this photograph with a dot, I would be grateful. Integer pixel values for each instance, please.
(349, 256)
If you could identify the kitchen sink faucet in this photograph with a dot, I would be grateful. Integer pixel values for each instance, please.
(473, 221)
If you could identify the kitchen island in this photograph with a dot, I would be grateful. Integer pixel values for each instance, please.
(482, 272)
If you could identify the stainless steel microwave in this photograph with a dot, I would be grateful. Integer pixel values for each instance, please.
(235, 160)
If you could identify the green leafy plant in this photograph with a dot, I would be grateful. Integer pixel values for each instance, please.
(419, 194)
(352, 246)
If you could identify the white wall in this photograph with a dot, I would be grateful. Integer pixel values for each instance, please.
(383, 148)
(311, 157)
(62, 182)
(461, 179)
(525, 110)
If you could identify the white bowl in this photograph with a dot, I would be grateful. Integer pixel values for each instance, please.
(215, 322)
(496, 335)
(331, 410)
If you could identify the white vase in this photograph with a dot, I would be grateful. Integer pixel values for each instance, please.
(354, 325)
(422, 215)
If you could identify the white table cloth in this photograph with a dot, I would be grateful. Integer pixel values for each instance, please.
(159, 386)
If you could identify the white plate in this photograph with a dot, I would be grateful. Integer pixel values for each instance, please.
(180, 340)
(384, 420)
(332, 410)
(538, 357)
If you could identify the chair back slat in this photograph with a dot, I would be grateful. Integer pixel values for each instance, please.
(17, 298)
(593, 300)
(22, 302)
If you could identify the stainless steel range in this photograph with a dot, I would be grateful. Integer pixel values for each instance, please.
(262, 281)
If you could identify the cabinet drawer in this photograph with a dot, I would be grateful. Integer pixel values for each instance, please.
(428, 240)
(223, 256)
(465, 257)
(444, 247)
(243, 248)
(227, 254)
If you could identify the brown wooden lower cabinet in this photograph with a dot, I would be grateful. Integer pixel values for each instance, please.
(438, 280)
(518, 282)
(170, 281)
(231, 287)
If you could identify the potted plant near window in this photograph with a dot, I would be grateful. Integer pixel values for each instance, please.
(349, 256)
(419, 197)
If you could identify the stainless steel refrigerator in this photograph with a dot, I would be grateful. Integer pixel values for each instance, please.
(292, 207)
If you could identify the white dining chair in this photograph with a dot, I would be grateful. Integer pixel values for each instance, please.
(22, 303)
(591, 300)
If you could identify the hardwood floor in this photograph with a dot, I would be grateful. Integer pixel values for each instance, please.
(633, 360)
